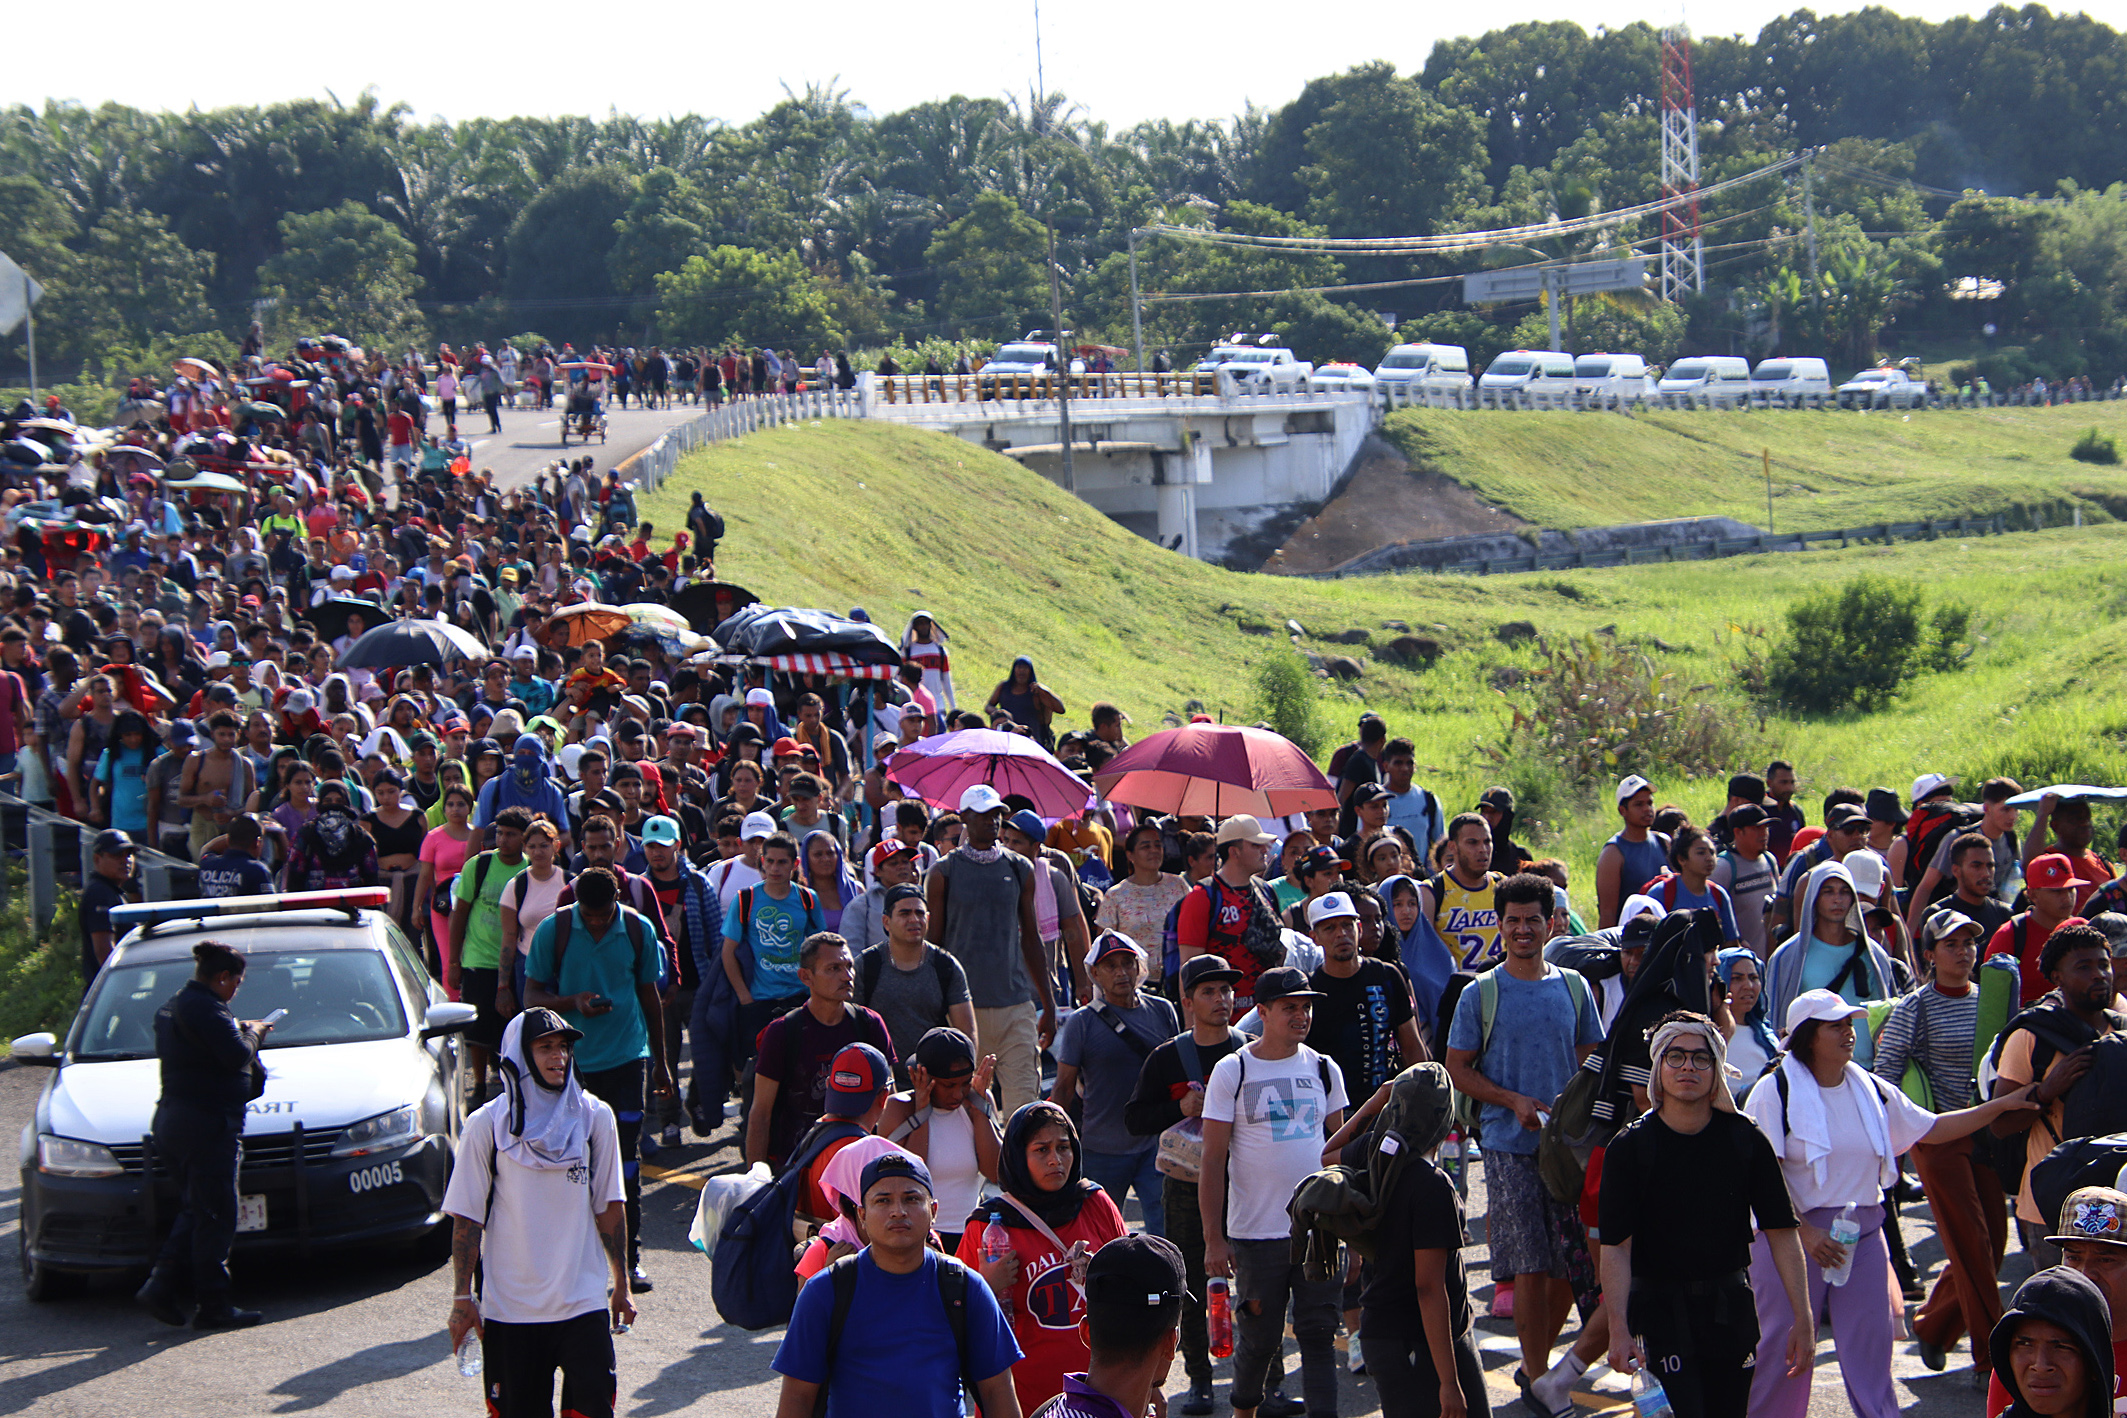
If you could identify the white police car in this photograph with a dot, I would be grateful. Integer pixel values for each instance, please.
(351, 1141)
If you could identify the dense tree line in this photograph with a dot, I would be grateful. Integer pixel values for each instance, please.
(822, 223)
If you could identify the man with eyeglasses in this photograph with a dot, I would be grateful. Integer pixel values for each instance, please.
(1677, 1288)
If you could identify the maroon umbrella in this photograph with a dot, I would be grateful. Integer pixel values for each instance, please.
(1216, 770)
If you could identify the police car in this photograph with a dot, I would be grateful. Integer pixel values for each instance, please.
(352, 1140)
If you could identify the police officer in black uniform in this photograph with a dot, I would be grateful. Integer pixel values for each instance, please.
(209, 1072)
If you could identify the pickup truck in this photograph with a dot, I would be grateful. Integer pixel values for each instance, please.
(1882, 388)
(1268, 371)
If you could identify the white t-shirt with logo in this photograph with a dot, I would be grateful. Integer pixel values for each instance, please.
(541, 1256)
(1278, 1111)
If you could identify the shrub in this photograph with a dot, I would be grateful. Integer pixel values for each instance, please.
(2095, 447)
(1597, 710)
(40, 972)
(1855, 647)
(1286, 700)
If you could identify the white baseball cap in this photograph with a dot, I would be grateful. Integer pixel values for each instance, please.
(757, 824)
(1334, 905)
(1636, 906)
(1632, 785)
(981, 798)
(1820, 1004)
(1243, 828)
(759, 696)
(1929, 783)
(1868, 871)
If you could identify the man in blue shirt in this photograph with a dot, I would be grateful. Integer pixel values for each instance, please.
(603, 981)
(896, 1355)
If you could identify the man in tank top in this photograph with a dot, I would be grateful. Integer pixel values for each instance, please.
(1635, 856)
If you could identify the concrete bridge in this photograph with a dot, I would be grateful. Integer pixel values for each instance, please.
(1174, 458)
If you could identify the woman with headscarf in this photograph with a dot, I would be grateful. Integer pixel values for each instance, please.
(1830, 950)
(1055, 1219)
(1741, 1012)
(334, 849)
(923, 642)
(823, 868)
(1839, 1132)
(1424, 956)
(1027, 701)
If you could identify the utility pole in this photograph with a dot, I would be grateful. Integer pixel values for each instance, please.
(1137, 320)
(1768, 490)
(1809, 212)
(1553, 283)
(1063, 360)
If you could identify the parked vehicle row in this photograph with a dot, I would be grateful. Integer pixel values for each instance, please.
(1421, 369)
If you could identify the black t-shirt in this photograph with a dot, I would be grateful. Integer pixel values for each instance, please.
(98, 896)
(1165, 1079)
(1423, 1214)
(1698, 1192)
(1356, 1025)
(1990, 914)
(1356, 767)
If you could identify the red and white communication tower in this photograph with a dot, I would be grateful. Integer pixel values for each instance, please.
(1683, 264)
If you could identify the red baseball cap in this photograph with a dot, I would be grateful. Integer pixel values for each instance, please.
(854, 1080)
(785, 748)
(891, 848)
(2052, 871)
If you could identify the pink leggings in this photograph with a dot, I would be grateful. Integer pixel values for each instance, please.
(442, 927)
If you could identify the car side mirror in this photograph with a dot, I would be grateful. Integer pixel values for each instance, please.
(39, 1050)
(447, 1019)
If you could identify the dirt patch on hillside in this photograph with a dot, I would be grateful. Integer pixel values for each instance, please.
(1384, 502)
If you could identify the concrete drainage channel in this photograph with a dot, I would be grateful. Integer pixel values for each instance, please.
(1640, 543)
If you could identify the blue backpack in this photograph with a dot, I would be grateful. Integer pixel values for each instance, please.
(751, 1281)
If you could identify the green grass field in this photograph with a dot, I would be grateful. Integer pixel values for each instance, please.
(1829, 470)
(845, 514)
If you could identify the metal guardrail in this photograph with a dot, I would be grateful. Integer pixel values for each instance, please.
(47, 840)
(1882, 533)
(649, 468)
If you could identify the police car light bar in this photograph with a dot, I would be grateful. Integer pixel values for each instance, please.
(149, 914)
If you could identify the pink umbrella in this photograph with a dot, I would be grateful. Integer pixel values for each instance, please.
(1216, 770)
(940, 768)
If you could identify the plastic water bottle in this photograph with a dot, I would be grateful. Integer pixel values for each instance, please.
(469, 1362)
(1218, 1316)
(1846, 1231)
(1648, 1399)
(996, 1245)
(1451, 1159)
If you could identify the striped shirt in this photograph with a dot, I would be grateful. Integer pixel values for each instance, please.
(1939, 1030)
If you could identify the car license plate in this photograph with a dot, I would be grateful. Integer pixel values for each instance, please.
(251, 1213)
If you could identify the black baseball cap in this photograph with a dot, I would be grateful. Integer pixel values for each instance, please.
(945, 1052)
(1366, 793)
(112, 843)
(539, 1023)
(1747, 815)
(1747, 786)
(1136, 1271)
(1203, 969)
(1284, 982)
(1846, 815)
(1317, 860)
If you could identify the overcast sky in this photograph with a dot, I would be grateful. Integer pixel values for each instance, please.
(1118, 63)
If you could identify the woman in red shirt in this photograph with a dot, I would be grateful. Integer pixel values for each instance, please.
(1056, 1219)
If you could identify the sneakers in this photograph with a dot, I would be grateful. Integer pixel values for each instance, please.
(671, 1137)
(639, 1282)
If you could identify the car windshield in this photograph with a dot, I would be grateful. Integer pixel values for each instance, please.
(332, 997)
(1769, 370)
(1509, 364)
(1021, 354)
(1404, 359)
(1688, 369)
(1872, 376)
(1253, 357)
(1591, 367)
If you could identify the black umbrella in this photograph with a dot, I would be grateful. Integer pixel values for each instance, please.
(761, 632)
(399, 643)
(708, 604)
(330, 617)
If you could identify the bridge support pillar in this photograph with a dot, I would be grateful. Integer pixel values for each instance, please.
(1177, 517)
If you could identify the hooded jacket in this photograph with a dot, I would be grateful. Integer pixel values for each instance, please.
(528, 782)
(1783, 973)
(2071, 1300)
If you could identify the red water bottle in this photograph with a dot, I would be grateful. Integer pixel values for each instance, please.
(1218, 1315)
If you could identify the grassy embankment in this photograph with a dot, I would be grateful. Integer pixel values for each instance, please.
(844, 514)
(1829, 470)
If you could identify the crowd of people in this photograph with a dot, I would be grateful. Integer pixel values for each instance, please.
(980, 1035)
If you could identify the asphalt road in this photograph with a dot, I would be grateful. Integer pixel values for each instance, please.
(531, 439)
(363, 1332)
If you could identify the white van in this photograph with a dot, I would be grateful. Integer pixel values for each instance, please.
(1547, 372)
(1789, 381)
(1723, 378)
(1607, 376)
(1426, 368)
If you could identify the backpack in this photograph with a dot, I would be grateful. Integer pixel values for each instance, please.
(631, 921)
(2096, 1105)
(1263, 918)
(952, 1293)
(751, 1281)
(1344, 1205)
(2077, 1162)
(1930, 825)
(872, 964)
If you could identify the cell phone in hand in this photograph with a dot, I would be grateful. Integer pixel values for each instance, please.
(274, 1018)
